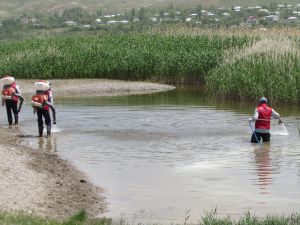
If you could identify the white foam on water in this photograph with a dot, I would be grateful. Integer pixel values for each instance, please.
(283, 132)
(201, 165)
(56, 129)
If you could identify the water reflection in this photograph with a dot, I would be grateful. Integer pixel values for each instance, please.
(47, 145)
(264, 167)
(184, 96)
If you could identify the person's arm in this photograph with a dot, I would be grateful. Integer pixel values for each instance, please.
(255, 116)
(3, 101)
(19, 95)
(18, 90)
(51, 106)
(276, 115)
(21, 100)
(51, 97)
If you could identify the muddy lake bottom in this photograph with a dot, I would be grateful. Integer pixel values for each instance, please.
(159, 155)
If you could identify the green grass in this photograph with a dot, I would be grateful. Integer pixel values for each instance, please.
(22, 218)
(209, 219)
(126, 57)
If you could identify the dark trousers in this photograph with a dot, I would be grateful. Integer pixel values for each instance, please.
(43, 113)
(11, 107)
(264, 136)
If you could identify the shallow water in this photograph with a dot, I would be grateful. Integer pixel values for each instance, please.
(159, 155)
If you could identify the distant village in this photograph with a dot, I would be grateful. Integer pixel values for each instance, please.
(235, 16)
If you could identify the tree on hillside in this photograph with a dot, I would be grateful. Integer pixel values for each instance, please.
(132, 14)
(11, 24)
(99, 12)
(198, 10)
(273, 6)
(76, 14)
(142, 14)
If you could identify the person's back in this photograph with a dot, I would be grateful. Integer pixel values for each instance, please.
(262, 118)
(10, 97)
(41, 102)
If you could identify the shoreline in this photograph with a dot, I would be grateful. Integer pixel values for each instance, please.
(41, 182)
(95, 87)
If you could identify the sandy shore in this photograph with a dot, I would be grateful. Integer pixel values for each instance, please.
(33, 180)
(95, 87)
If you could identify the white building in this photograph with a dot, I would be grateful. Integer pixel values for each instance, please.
(70, 23)
(272, 18)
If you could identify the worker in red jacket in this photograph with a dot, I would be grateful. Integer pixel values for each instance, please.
(262, 118)
(11, 95)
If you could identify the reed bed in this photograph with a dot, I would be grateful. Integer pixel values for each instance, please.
(268, 67)
(126, 57)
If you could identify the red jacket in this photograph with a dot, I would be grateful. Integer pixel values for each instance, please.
(264, 117)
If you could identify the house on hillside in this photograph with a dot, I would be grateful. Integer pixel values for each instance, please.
(263, 11)
(27, 19)
(296, 13)
(70, 23)
(237, 8)
(225, 14)
(272, 18)
(111, 22)
(252, 20)
(292, 18)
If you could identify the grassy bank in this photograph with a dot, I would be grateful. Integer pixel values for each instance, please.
(126, 57)
(21, 218)
(268, 67)
(209, 219)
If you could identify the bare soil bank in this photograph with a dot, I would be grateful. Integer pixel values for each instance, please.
(33, 180)
(42, 183)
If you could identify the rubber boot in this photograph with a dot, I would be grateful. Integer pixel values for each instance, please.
(10, 121)
(48, 130)
(41, 128)
(16, 119)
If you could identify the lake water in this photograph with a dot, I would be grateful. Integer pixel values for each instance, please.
(158, 156)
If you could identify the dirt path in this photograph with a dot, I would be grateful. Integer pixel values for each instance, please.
(33, 180)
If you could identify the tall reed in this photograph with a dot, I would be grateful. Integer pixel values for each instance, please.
(127, 57)
(268, 67)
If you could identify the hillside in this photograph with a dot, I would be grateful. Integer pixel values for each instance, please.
(18, 7)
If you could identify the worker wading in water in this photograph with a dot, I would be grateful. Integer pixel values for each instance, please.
(11, 95)
(262, 118)
(41, 102)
